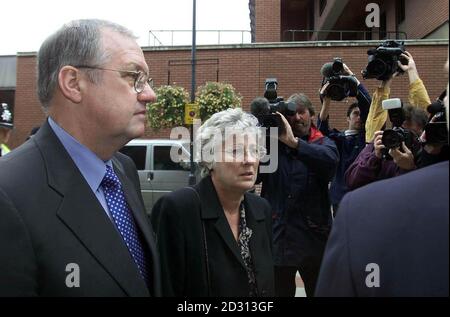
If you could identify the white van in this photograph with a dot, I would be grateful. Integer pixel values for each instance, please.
(158, 173)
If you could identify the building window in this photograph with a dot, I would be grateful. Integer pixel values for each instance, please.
(322, 5)
(401, 11)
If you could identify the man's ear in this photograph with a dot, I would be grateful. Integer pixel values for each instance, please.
(68, 81)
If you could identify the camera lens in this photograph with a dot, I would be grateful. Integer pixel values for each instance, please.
(377, 67)
(392, 139)
(336, 92)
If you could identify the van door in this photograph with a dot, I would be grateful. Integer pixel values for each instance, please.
(140, 154)
(167, 174)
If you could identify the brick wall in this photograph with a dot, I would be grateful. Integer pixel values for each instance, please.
(423, 17)
(297, 68)
(27, 111)
(268, 20)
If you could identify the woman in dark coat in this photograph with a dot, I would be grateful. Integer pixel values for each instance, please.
(215, 239)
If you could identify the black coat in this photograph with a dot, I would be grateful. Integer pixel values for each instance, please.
(177, 218)
(298, 194)
(401, 225)
(49, 218)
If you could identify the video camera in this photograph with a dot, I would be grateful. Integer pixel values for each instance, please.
(393, 138)
(340, 86)
(383, 60)
(266, 112)
(436, 132)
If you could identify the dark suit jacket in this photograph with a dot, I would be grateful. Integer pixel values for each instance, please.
(401, 225)
(51, 218)
(178, 217)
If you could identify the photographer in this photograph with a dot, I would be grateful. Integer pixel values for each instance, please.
(370, 165)
(435, 136)
(298, 194)
(418, 96)
(350, 142)
(391, 238)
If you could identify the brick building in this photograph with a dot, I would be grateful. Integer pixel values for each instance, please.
(305, 20)
(295, 64)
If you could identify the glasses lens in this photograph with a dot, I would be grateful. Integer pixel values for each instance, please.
(139, 82)
(150, 82)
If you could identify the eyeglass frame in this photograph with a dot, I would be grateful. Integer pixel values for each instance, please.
(136, 75)
(258, 153)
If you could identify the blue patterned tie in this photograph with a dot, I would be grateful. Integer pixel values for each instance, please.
(123, 218)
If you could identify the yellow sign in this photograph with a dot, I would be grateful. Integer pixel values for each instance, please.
(191, 112)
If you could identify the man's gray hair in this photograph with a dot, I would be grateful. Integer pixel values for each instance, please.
(76, 43)
(216, 128)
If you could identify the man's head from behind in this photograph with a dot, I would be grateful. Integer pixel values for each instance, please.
(302, 120)
(415, 119)
(88, 75)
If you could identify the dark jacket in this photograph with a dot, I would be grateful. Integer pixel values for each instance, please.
(49, 218)
(348, 146)
(298, 194)
(401, 225)
(368, 168)
(178, 219)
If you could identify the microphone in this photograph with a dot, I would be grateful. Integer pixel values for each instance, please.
(327, 70)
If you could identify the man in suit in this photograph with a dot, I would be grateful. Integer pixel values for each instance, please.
(72, 218)
(391, 238)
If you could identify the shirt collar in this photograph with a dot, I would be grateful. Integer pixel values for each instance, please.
(90, 165)
(351, 132)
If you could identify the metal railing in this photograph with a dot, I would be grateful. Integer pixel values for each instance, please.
(290, 35)
(155, 36)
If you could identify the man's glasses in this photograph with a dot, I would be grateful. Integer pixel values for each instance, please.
(140, 78)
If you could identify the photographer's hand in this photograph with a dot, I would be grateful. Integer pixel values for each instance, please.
(287, 137)
(325, 104)
(410, 68)
(405, 159)
(386, 84)
(378, 144)
(348, 72)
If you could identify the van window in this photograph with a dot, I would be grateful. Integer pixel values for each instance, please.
(137, 154)
(162, 161)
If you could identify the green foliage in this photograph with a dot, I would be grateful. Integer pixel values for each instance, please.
(214, 97)
(168, 110)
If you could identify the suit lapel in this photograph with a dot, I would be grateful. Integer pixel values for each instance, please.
(212, 209)
(82, 213)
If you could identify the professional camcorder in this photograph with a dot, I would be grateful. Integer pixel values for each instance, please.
(393, 138)
(340, 85)
(436, 132)
(383, 60)
(266, 112)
